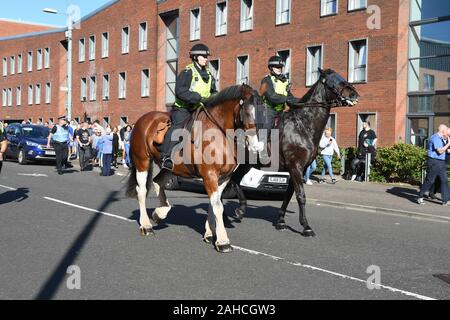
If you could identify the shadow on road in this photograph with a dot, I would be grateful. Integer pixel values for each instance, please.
(18, 195)
(406, 193)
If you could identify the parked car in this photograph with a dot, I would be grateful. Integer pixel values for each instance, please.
(28, 143)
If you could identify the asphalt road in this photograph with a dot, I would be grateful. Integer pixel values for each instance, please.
(50, 222)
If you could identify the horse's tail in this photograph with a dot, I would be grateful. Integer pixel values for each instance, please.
(132, 180)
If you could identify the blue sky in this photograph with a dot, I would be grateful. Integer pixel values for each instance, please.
(31, 10)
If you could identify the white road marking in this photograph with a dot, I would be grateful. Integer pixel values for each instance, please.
(88, 209)
(32, 174)
(9, 188)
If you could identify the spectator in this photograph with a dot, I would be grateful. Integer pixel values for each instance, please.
(329, 147)
(115, 147)
(106, 145)
(3, 144)
(367, 143)
(312, 167)
(95, 138)
(84, 143)
(127, 137)
(436, 164)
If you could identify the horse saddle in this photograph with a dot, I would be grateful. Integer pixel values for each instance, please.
(161, 131)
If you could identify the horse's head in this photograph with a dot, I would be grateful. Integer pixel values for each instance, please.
(343, 92)
(250, 99)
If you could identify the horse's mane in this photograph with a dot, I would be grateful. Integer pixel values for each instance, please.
(229, 93)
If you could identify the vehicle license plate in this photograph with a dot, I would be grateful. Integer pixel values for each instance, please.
(50, 153)
(277, 180)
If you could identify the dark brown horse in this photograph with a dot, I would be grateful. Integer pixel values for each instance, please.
(300, 132)
(206, 155)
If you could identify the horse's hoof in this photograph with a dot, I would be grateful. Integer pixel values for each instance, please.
(308, 232)
(239, 213)
(224, 248)
(146, 231)
(280, 226)
(208, 240)
(155, 218)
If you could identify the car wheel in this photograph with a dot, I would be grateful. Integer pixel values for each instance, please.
(172, 184)
(21, 157)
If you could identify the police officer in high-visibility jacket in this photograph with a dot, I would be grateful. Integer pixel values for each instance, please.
(277, 94)
(194, 85)
(60, 136)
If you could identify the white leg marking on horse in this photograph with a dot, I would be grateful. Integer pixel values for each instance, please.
(141, 189)
(217, 207)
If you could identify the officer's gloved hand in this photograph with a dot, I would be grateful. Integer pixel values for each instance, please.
(204, 101)
(291, 101)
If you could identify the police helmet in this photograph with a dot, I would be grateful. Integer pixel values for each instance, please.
(276, 61)
(199, 49)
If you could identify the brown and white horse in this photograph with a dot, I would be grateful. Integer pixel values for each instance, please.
(233, 108)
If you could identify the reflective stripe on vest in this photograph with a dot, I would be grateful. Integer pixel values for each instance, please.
(281, 88)
(197, 85)
(61, 135)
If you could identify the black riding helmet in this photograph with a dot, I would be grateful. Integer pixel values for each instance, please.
(199, 49)
(276, 61)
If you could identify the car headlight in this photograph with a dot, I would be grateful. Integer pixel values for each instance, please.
(33, 144)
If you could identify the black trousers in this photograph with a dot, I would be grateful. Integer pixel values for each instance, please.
(357, 166)
(62, 152)
(436, 169)
(179, 117)
(1, 165)
(85, 155)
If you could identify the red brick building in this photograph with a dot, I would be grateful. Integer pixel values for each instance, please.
(140, 45)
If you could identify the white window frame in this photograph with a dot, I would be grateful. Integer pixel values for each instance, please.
(30, 94)
(221, 18)
(92, 45)
(39, 56)
(37, 95)
(12, 65)
(247, 20)
(19, 63)
(352, 7)
(143, 36)
(5, 66)
(217, 75)
(83, 89)
(48, 93)
(93, 88)
(283, 9)
(81, 50)
(122, 85)
(125, 40)
(4, 97)
(46, 58)
(10, 97)
(105, 90)
(105, 45)
(145, 83)
(323, 8)
(351, 64)
(246, 67)
(30, 61)
(288, 67)
(195, 24)
(19, 96)
(309, 72)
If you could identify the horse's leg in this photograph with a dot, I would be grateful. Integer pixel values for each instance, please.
(215, 192)
(281, 223)
(240, 212)
(161, 212)
(141, 188)
(297, 180)
(210, 226)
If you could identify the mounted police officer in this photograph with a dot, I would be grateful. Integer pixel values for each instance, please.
(60, 136)
(277, 93)
(194, 86)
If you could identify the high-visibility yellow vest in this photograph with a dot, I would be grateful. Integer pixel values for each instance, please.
(197, 85)
(281, 87)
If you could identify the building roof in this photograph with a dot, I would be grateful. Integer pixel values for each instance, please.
(9, 27)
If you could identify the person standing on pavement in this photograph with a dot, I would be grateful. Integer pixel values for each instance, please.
(436, 164)
(3, 145)
(84, 146)
(329, 146)
(106, 145)
(309, 171)
(367, 143)
(115, 151)
(60, 136)
(126, 146)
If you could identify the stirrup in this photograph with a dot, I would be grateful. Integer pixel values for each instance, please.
(167, 163)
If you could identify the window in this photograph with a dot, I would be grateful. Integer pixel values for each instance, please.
(9, 97)
(5, 67)
(83, 89)
(105, 45)
(328, 7)
(105, 93)
(313, 63)
(246, 15)
(48, 92)
(171, 67)
(77, 120)
(283, 14)
(143, 36)
(4, 98)
(366, 117)
(39, 59)
(145, 83)
(12, 65)
(195, 24)
(51, 120)
(30, 94)
(105, 122)
(331, 123)
(122, 85)
(358, 61)
(19, 63)
(30, 62)
(81, 50)
(428, 82)
(214, 68)
(123, 121)
(125, 40)
(93, 89)
(242, 70)
(47, 58)
(286, 57)
(19, 95)
(356, 4)
(221, 18)
(92, 48)
(38, 94)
